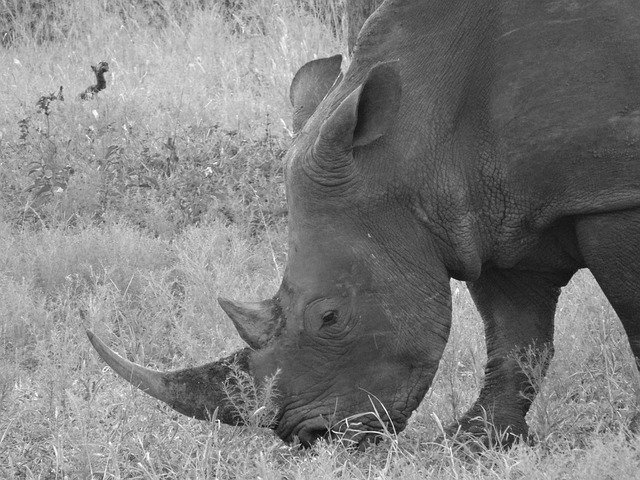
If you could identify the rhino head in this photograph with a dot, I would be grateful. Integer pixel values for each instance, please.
(363, 312)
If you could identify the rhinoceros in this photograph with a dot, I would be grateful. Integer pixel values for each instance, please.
(492, 141)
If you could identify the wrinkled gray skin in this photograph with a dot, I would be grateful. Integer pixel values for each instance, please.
(496, 142)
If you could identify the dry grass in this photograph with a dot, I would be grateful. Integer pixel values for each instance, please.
(147, 277)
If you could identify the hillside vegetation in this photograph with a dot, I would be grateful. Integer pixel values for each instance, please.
(131, 212)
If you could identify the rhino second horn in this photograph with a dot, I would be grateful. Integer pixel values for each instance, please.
(256, 322)
(197, 392)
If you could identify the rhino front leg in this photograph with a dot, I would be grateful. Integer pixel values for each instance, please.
(518, 309)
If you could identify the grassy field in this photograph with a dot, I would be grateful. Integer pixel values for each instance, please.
(130, 213)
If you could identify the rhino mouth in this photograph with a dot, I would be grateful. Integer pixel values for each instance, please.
(355, 437)
(355, 432)
(310, 431)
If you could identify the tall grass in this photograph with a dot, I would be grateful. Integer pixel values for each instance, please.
(195, 110)
(101, 227)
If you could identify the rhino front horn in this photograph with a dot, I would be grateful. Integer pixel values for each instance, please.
(256, 322)
(196, 392)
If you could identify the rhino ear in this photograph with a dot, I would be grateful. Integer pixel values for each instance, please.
(366, 114)
(310, 85)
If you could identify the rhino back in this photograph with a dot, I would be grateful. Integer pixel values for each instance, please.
(565, 102)
(527, 118)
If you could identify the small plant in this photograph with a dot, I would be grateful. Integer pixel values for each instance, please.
(45, 100)
(44, 106)
(48, 177)
(533, 362)
(23, 126)
(256, 404)
(48, 180)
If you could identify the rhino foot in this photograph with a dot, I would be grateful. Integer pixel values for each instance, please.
(477, 432)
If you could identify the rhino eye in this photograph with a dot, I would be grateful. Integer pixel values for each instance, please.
(329, 318)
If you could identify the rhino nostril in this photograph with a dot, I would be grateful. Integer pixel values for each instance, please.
(309, 436)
